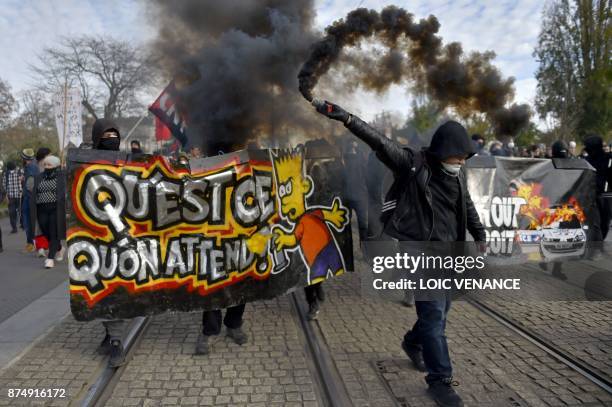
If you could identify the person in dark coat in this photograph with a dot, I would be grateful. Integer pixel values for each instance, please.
(560, 149)
(30, 171)
(432, 203)
(601, 161)
(105, 135)
(48, 207)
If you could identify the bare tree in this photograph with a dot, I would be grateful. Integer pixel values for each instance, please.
(36, 110)
(112, 74)
(7, 104)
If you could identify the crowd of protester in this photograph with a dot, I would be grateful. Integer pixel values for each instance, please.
(35, 190)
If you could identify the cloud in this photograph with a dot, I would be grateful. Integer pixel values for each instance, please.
(27, 26)
(510, 28)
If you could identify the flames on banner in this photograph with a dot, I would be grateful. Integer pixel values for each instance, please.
(538, 210)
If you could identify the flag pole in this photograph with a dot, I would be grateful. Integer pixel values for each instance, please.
(135, 125)
(62, 147)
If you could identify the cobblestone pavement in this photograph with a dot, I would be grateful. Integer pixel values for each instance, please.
(66, 359)
(271, 369)
(582, 329)
(492, 364)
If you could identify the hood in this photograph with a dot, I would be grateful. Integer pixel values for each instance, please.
(451, 139)
(98, 129)
(559, 149)
(593, 145)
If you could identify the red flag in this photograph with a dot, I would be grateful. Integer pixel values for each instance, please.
(162, 132)
(164, 108)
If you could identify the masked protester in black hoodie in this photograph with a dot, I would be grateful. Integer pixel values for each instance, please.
(601, 161)
(105, 136)
(560, 149)
(431, 204)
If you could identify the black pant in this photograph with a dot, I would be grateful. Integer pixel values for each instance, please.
(360, 206)
(46, 215)
(13, 207)
(211, 320)
(313, 292)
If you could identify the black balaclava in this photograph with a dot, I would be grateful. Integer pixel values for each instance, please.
(559, 149)
(99, 127)
(450, 140)
(594, 146)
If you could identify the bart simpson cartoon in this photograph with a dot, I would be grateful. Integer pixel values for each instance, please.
(310, 232)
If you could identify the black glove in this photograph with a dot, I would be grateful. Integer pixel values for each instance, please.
(332, 111)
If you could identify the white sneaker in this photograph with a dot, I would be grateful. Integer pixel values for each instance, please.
(59, 256)
(49, 264)
(41, 253)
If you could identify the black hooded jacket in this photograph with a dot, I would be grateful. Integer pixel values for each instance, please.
(98, 129)
(414, 213)
(559, 149)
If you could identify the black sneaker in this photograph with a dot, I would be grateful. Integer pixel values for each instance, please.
(313, 311)
(13, 231)
(117, 353)
(416, 356)
(202, 344)
(443, 393)
(238, 336)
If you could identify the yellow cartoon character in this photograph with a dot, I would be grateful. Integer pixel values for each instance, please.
(310, 231)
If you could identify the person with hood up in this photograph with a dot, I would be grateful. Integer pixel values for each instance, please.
(135, 147)
(105, 136)
(432, 204)
(560, 149)
(30, 171)
(602, 162)
(48, 207)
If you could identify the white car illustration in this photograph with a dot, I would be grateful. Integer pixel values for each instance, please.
(563, 238)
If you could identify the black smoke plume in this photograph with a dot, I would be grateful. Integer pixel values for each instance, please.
(235, 64)
(413, 52)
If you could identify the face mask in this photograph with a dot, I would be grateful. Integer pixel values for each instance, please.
(110, 143)
(452, 169)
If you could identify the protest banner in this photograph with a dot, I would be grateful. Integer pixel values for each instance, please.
(68, 110)
(542, 208)
(146, 235)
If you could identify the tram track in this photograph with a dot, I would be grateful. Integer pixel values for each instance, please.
(101, 388)
(593, 375)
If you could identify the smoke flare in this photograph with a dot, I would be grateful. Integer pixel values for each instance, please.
(467, 83)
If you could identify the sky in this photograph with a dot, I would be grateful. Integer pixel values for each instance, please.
(510, 28)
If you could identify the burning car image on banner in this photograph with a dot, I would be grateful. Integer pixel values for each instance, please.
(555, 230)
(539, 208)
(145, 236)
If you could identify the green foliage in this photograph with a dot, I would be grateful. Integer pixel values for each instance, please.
(575, 69)
(425, 115)
(528, 136)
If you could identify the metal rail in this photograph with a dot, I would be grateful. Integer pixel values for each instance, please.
(332, 385)
(562, 356)
(102, 384)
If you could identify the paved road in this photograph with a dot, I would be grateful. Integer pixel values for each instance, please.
(22, 276)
